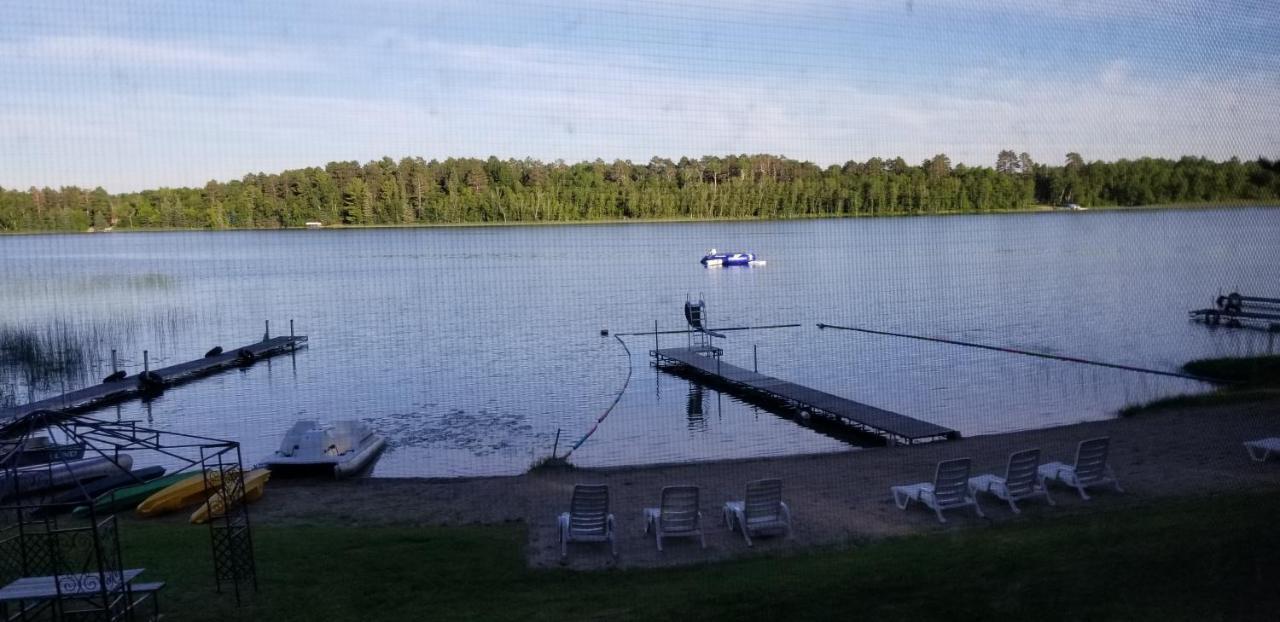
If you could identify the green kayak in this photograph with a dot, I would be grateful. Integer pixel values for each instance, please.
(128, 497)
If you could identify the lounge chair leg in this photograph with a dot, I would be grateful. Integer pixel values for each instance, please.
(703, 539)
(939, 513)
(1083, 494)
(1013, 506)
(1048, 497)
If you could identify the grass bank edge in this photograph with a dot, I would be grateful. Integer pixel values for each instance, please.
(1246, 379)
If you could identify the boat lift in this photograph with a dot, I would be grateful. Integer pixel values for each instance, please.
(1236, 310)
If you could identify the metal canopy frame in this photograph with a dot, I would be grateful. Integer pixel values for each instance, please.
(32, 512)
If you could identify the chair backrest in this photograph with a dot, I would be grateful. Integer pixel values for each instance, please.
(764, 501)
(1091, 459)
(679, 510)
(951, 482)
(1021, 474)
(589, 510)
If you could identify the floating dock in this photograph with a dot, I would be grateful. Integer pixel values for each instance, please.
(156, 380)
(893, 427)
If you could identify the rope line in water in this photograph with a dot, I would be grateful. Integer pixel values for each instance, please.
(600, 419)
(1069, 359)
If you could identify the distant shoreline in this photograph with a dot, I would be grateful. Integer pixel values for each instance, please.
(1034, 209)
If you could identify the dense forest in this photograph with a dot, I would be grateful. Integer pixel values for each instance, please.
(747, 186)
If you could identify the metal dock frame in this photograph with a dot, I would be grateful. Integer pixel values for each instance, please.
(895, 428)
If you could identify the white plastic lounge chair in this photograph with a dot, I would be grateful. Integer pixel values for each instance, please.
(588, 519)
(762, 512)
(677, 515)
(1022, 480)
(1261, 449)
(1090, 469)
(949, 490)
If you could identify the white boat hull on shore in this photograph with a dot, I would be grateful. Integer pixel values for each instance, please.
(343, 448)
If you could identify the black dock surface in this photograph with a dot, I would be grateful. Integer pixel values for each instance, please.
(893, 426)
(107, 393)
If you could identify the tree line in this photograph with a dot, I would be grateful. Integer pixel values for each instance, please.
(469, 190)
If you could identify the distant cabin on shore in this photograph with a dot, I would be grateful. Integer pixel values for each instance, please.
(314, 224)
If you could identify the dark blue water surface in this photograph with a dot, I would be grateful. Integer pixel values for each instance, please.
(470, 347)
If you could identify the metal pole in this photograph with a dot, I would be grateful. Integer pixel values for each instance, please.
(556, 446)
(293, 345)
(146, 362)
(267, 333)
(755, 359)
(655, 335)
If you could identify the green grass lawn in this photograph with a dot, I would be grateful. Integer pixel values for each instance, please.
(1192, 559)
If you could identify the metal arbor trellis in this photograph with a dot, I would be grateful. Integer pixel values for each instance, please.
(43, 457)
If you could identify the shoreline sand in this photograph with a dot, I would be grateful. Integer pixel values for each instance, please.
(837, 499)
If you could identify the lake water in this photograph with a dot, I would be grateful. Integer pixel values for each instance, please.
(470, 347)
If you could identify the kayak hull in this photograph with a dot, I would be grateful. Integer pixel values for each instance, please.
(129, 494)
(255, 482)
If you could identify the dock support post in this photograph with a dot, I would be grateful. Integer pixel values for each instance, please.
(755, 359)
(114, 367)
(293, 344)
(655, 335)
(266, 334)
(146, 362)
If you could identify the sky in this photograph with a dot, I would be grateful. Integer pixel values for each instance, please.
(135, 94)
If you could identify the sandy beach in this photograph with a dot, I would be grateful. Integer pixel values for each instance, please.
(837, 499)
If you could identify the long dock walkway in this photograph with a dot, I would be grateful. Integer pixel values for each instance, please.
(896, 428)
(107, 393)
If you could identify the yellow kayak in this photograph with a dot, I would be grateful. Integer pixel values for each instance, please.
(175, 497)
(254, 483)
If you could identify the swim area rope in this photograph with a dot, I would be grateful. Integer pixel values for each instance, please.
(608, 410)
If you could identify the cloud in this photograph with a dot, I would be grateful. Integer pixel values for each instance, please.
(90, 50)
(394, 93)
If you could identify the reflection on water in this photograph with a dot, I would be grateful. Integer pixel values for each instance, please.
(695, 408)
(471, 361)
